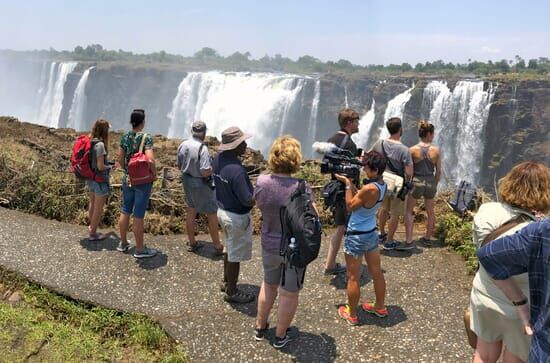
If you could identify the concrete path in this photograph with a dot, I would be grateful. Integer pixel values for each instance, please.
(427, 292)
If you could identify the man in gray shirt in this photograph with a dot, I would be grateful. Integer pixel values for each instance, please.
(399, 162)
(196, 170)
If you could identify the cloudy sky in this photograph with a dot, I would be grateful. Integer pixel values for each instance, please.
(362, 31)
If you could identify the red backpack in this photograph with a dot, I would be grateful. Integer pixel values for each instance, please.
(139, 169)
(81, 159)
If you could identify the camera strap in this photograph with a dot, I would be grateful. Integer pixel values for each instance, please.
(344, 141)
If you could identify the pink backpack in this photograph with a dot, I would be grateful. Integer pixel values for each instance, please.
(139, 169)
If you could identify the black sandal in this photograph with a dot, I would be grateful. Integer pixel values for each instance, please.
(195, 247)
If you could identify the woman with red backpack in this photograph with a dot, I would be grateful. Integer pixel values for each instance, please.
(99, 188)
(136, 146)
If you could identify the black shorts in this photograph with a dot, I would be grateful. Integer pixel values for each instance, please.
(340, 215)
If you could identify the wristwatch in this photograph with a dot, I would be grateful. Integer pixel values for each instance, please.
(521, 302)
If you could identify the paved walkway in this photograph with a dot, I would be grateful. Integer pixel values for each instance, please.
(426, 295)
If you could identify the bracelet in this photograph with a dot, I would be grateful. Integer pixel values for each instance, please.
(348, 187)
(521, 302)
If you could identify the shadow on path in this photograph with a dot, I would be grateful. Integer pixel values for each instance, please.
(308, 347)
(108, 244)
(340, 281)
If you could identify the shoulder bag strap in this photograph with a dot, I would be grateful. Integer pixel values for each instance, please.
(344, 141)
(504, 228)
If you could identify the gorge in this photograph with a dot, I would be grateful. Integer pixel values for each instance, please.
(484, 126)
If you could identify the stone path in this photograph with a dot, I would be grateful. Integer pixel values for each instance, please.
(427, 292)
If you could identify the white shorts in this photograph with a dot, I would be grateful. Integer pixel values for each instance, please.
(237, 235)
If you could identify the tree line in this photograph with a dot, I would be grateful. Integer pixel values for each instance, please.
(210, 58)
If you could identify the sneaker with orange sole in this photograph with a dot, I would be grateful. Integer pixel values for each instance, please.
(369, 308)
(344, 313)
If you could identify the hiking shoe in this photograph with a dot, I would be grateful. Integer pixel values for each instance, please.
(369, 308)
(405, 246)
(239, 298)
(279, 343)
(147, 252)
(427, 242)
(123, 247)
(391, 245)
(343, 312)
(260, 334)
(337, 269)
(382, 237)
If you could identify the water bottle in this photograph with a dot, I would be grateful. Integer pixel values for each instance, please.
(292, 246)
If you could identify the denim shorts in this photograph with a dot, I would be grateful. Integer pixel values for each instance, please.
(100, 189)
(135, 199)
(359, 244)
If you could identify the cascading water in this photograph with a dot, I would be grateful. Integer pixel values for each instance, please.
(346, 105)
(52, 102)
(459, 119)
(312, 128)
(258, 102)
(395, 108)
(365, 125)
(430, 95)
(78, 106)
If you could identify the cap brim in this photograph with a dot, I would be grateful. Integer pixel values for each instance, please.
(234, 144)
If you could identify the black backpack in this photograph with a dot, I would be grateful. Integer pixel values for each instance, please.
(465, 198)
(300, 227)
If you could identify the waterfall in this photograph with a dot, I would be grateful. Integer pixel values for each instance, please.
(288, 104)
(258, 102)
(52, 103)
(395, 108)
(459, 118)
(78, 106)
(430, 95)
(365, 125)
(346, 105)
(312, 128)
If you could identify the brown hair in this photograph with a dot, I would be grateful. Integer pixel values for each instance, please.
(425, 128)
(527, 186)
(393, 125)
(100, 130)
(285, 155)
(346, 116)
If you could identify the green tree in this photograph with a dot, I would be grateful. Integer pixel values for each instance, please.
(206, 52)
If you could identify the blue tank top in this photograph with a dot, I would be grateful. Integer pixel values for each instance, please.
(364, 219)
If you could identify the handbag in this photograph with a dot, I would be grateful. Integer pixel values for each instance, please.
(395, 182)
(472, 337)
(139, 167)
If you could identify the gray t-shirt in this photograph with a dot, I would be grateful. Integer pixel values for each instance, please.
(399, 155)
(99, 152)
(188, 158)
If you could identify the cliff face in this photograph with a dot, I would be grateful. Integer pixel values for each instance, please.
(518, 128)
(114, 91)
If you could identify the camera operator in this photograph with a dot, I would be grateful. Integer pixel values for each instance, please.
(196, 173)
(348, 120)
(399, 162)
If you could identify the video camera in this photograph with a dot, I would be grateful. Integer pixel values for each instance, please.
(338, 161)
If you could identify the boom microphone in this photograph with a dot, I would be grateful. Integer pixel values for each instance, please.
(324, 147)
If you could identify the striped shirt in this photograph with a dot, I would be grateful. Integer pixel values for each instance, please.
(526, 251)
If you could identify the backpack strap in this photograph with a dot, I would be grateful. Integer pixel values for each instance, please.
(388, 161)
(344, 141)
(142, 142)
(504, 228)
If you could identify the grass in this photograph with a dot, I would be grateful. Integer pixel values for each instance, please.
(45, 326)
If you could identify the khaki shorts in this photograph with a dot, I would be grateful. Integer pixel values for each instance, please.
(393, 205)
(237, 235)
(276, 272)
(491, 326)
(424, 186)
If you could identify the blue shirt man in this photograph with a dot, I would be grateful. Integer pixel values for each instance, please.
(528, 250)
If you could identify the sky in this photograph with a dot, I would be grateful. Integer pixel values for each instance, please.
(363, 32)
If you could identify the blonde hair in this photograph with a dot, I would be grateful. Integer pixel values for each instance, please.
(285, 155)
(100, 130)
(527, 186)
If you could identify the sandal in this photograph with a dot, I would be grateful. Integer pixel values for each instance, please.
(194, 247)
(97, 237)
(425, 241)
(218, 251)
